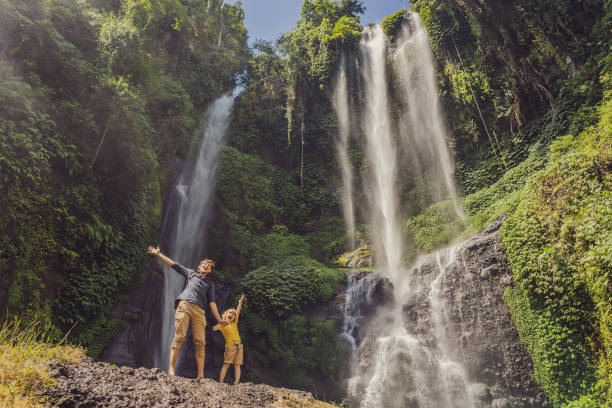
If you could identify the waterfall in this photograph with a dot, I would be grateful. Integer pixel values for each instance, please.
(399, 362)
(190, 203)
(381, 188)
(341, 106)
(422, 127)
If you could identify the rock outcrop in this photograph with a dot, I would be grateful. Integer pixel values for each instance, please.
(91, 384)
(479, 331)
(459, 347)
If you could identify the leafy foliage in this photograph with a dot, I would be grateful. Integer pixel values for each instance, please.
(391, 24)
(278, 245)
(293, 349)
(504, 64)
(88, 112)
(558, 242)
(285, 286)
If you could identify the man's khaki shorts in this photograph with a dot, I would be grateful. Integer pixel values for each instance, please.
(185, 313)
(233, 354)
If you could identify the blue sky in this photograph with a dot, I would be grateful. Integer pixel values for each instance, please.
(268, 19)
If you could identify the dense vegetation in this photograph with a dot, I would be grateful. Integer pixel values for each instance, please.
(527, 88)
(290, 345)
(559, 245)
(276, 208)
(98, 99)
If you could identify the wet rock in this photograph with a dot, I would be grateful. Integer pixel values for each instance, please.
(502, 403)
(359, 258)
(489, 271)
(453, 310)
(481, 392)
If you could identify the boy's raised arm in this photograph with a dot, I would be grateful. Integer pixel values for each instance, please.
(239, 306)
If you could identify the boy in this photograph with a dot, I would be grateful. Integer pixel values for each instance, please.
(233, 346)
(190, 307)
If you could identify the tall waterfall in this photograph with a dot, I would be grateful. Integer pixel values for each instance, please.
(422, 126)
(187, 223)
(381, 190)
(403, 368)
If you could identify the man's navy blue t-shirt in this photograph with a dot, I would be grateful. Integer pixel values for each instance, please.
(198, 290)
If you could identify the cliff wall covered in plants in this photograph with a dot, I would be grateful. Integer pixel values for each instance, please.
(100, 98)
(97, 98)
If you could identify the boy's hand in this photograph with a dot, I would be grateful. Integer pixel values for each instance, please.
(153, 251)
(241, 298)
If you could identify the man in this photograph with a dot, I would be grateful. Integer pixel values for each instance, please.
(190, 307)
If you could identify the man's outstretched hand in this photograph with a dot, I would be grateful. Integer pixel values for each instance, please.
(157, 252)
(153, 251)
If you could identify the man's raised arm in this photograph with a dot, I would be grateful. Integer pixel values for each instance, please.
(157, 252)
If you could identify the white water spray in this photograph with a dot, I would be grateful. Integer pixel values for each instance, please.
(192, 200)
(402, 368)
(422, 129)
(381, 188)
(341, 106)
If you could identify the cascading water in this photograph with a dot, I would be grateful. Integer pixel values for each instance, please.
(341, 105)
(422, 129)
(381, 188)
(401, 368)
(444, 338)
(186, 225)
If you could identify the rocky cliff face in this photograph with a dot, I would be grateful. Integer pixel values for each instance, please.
(479, 328)
(451, 305)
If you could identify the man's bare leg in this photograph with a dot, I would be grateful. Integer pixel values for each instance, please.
(223, 372)
(236, 374)
(173, 356)
(200, 362)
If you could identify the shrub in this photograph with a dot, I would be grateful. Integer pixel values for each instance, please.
(286, 286)
(277, 246)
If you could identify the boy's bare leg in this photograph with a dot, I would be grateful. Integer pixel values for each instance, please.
(236, 373)
(173, 356)
(223, 371)
(200, 362)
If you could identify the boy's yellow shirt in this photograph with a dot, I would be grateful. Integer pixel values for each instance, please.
(230, 332)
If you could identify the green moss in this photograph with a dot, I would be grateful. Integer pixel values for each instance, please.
(392, 24)
(437, 226)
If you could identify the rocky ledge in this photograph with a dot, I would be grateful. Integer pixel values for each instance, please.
(92, 384)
